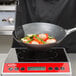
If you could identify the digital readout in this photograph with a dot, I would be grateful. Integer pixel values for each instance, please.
(36, 68)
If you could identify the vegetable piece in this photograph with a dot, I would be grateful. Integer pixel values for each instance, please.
(29, 41)
(51, 41)
(30, 35)
(50, 37)
(39, 40)
(34, 42)
(24, 40)
(43, 41)
(28, 38)
(43, 36)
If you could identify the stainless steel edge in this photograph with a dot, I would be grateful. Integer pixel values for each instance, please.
(6, 30)
(7, 7)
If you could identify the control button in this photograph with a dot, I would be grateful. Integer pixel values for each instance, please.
(62, 68)
(4, 19)
(10, 20)
(22, 68)
(56, 68)
(10, 69)
(16, 68)
(50, 68)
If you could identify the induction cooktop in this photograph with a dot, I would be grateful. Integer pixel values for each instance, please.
(51, 55)
(22, 61)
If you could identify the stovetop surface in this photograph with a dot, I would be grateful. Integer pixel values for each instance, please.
(52, 55)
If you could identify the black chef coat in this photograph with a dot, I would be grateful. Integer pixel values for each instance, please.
(59, 12)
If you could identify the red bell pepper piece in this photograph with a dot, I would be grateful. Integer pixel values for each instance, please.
(39, 41)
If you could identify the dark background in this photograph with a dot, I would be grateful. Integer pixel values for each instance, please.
(59, 12)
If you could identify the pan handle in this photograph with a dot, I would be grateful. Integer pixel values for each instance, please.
(69, 31)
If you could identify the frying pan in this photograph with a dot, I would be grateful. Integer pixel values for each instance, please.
(39, 27)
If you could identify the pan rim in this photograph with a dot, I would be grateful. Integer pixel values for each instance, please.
(43, 23)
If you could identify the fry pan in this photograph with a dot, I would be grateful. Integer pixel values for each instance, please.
(40, 27)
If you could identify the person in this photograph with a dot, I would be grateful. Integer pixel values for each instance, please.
(59, 12)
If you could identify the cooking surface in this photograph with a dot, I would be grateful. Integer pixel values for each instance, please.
(52, 55)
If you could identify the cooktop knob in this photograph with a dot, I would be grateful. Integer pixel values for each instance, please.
(10, 69)
(16, 69)
(56, 68)
(22, 68)
(11, 20)
(50, 68)
(62, 68)
(4, 20)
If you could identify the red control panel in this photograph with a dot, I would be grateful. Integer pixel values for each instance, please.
(36, 67)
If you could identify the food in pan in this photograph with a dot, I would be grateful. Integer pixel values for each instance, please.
(38, 39)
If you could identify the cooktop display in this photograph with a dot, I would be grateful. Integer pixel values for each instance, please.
(51, 55)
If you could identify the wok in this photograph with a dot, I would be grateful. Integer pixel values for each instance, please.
(36, 28)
